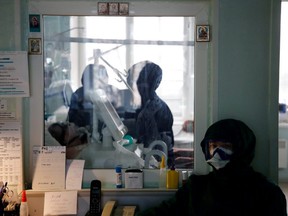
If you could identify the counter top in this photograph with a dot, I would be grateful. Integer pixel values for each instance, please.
(109, 190)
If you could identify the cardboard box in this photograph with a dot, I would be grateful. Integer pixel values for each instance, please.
(134, 178)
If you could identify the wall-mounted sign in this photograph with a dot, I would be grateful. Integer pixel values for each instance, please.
(14, 79)
(11, 147)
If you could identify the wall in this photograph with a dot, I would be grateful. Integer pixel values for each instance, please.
(247, 68)
(12, 23)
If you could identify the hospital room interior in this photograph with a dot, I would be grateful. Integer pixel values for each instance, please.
(91, 73)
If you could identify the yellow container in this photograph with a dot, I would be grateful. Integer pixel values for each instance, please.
(162, 174)
(172, 179)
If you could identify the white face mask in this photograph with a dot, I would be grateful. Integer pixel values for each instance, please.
(217, 161)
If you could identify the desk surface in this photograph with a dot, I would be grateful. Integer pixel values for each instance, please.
(143, 198)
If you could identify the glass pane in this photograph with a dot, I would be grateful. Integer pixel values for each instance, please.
(116, 85)
(283, 83)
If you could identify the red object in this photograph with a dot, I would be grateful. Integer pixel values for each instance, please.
(24, 198)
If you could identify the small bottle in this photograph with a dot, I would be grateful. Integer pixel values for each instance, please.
(162, 174)
(118, 177)
(184, 177)
(172, 178)
(23, 206)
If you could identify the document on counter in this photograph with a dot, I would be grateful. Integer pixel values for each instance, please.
(74, 174)
(49, 167)
(60, 203)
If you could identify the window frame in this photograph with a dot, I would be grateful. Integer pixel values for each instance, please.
(202, 111)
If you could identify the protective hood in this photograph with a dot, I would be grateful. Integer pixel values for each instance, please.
(236, 132)
(148, 81)
(92, 72)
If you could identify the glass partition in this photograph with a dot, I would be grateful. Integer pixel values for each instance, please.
(120, 90)
(283, 75)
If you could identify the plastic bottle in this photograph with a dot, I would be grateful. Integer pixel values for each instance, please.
(163, 173)
(23, 206)
(118, 177)
(172, 178)
(184, 177)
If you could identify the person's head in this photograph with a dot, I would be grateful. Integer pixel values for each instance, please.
(144, 78)
(94, 77)
(148, 81)
(228, 141)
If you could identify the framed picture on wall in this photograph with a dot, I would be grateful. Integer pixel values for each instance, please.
(34, 22)
(124, 9)
(113, 8)
(34, 46)
(202, 33)
(103, 8)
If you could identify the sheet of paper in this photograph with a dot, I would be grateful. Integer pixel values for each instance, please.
(8, 109)
(74, 174)
(49, 167)
(11, 153)
(60, 203)
(14, 79)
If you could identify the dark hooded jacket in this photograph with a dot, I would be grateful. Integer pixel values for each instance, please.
(81, 110)
(155, 119)
(235, 190)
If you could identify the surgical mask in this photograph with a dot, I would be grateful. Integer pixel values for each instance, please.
(220, 157)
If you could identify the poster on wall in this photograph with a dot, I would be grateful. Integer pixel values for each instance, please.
(9, 109)
(11, 154)
(14, 78)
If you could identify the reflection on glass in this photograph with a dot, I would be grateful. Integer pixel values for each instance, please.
(118, 87)
(283, 65)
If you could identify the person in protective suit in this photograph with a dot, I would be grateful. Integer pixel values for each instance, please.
(81, 110)
(233, 188)
(154, 120)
